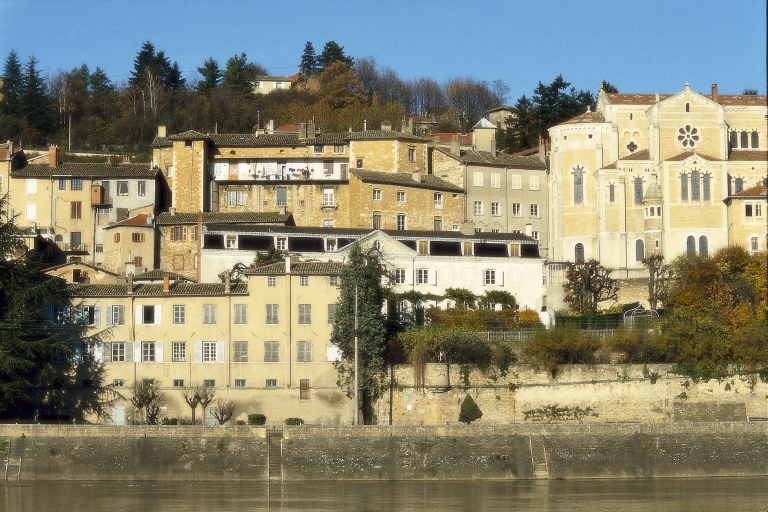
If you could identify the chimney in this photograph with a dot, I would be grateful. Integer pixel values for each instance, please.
(166, 282)
(714, 93)
(311, 130)
(657, 97)
(227, 282)
(161, 132)
(271, 126)
(53, 155)
(416, 177)
(283, 210)
(10, 149)
(302, 130)
(149, 219)
(493, 147)
(129, 280)
(365, 125)
(410, 126)
(403, 126)
(288, 261)
(455, 147)
(386, 126)
(172, 210)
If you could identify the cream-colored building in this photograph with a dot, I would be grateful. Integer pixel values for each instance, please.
(267, 84)
(651, 173)
(748, 217)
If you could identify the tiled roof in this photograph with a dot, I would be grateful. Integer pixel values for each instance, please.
(302, 267)
(159, 275)
(586, 117)
(405, 179)
(484, 123)
(384, 135)
(752, 192)
(611, 166)
(748, 156)
(269, 78)
(161, 141)
(635, 99)
(79, 264)
(137, 221)
(189, 134)
(742, 100)
(465, 139)
(640, 155)
(155, 290)
(166, 219)
(268, 140)
(685, 154)
(87, 170)
(502, 159)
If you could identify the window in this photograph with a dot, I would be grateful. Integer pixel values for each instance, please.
(578, 185)
(304, 389)
(516, 182)
(178, 383)
(62, 184)
(148, 351)
(270, 353)
(703, 246)
(115, 315)
(332, 308)
(241, 352)
(271, 281)
(744, 136)
(438, 224)
(282, 196)
(639, 250)
(329, 197)
(695, 186)
(257, 85)
(690, 245)
(411, 154)
(495, 209)
(490, 277)
(209, 314)
(738, 185)
(239, 383)
(209, 383)
(438, 200)
(579, 253)
(118, 383)
(137, 237)
(612, 192)
(683, 187)
(535, 211)
(422, 275)
(755, 140)
(319, 148)
(359, 163)
(241, 314)
(377, 194)
(478, 208)
(271, 383)
(179, 351)
(399, 276)
(117, 238)
(705, 186)
(209, 351)
(138, 261)
(122, 188)
(400, 221)
(76, 240)
(517, 210)
(376, 223)
(330, 243)
(235, 198)
(534, 235)
(754, 244)
(495, 180)
(478, 179)
(147, 314)
(118, 352)
(77, 209)
(282, 244)
(141, 188)
(271, 313)
(30, 186)
(77, 184)
(304, 353)
(304, 281)
(734, 140)
(333, 280)
(231, 242)
(338, 149)
(534, 183)
(30, 211)
(638, 184)
(305, 314)
(401, 196)
(179, 315)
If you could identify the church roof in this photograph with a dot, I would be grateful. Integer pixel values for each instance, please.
(686, 154)
(586, 117)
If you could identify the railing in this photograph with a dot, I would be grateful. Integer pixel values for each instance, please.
(70, 248)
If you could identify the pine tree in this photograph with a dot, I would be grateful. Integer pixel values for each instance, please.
(211, 76)
(34, 101)
(309, 65)
(332, 52)
(13, 85)
(469, 411)
(362, 272)
(240, 74)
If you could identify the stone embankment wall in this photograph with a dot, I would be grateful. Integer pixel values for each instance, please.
(612, 393)
(391, 453)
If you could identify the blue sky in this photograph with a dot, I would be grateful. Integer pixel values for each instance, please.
(639, 46)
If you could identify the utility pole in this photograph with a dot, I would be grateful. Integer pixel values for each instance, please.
(357, 402)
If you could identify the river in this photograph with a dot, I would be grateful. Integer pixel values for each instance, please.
(680, 495)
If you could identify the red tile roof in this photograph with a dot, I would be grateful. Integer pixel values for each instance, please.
(640, 155)
(142, 220)
(748, 156)
(586, 117)
(685, 154)
(465, 139)
(756, 191)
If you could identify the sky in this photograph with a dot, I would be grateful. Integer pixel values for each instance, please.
(640, 46)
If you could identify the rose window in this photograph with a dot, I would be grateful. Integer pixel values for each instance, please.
(688, 136)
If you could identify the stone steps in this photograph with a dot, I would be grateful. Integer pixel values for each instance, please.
(15, 452)
(275, 461)
(539, 457)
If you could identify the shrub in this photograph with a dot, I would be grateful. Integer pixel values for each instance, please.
(469, 411)
(294, 421)
(257, 419)
(553, 347)
(169, 421)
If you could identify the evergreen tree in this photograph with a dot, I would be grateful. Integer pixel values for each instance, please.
(144, 60)
(608, 87)
(362, 272)
(309, 65)
(211, 76)
(34, 101)
(469, 411)
(332, 52)
(13, 85)
(240, 74)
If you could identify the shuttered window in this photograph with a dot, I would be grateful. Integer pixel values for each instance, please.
(304, 352)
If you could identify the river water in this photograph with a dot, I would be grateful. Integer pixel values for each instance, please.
(657, 495)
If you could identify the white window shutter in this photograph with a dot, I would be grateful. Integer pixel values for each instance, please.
(109, 315)
(136, 350)
(157, 315)
(220, 351)
(409, 275)
(96, 315)
(500, 277)
(432, 276)
(198, 351)
(139, 315)
(106, 352)
(98, 350)
(128, 352)
(158, 349)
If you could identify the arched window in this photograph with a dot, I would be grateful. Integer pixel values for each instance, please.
(612, 192)
(705, 184)
(690, 245)
(578, 185)
(738, 185)
(684, 187)
(744, 141)
(579, 253)
(695, 186)
(734, 140)
(639, 250)
(638, 190)
(755, 140)
(703, 246)
(687, 107)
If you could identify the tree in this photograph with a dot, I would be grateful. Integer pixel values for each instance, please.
(332, 52)
(148, 399)
(191, 395)
(13, 85)
(750, 92)
(588, 284)
(340, 88)
(211, 76)
(225, 409)
(471, 99)
(363, 272)
(239, 75)
(271, 255)
(659, 276)
(608, 87)
(469, 411)
(308, 65)
(462, 298)
(206, 396)
(34, 103)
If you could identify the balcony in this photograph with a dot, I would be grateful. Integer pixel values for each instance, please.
(72, 249)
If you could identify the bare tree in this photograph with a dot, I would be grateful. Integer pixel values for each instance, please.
(147, 397)
(659, 276)
(191, 395)
(225, 409)
(587, 284)
(206, 396)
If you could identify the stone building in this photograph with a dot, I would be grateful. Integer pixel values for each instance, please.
(652, 173)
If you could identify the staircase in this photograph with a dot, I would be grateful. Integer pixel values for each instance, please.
(539, 457)
(275, 457)
(13, 466)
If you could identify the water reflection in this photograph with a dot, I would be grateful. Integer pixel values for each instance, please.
(711, 494)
